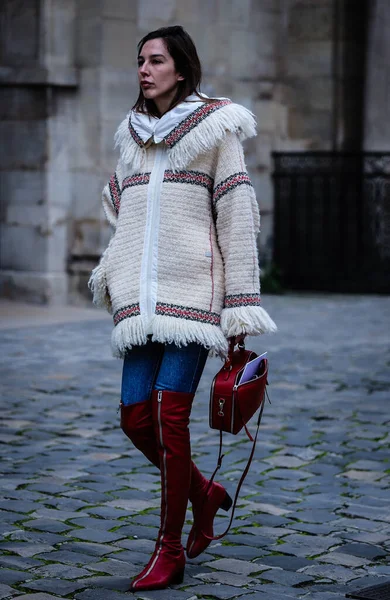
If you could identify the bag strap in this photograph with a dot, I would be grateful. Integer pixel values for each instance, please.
(243, 476)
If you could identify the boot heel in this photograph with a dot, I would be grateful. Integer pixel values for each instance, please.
(227, 503)
(178, 578)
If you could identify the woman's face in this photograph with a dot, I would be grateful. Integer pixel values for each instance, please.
(157, 74)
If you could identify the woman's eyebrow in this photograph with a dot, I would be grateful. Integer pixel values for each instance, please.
(151, 56)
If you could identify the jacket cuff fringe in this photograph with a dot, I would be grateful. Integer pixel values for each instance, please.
(98, 285)
(252, 320)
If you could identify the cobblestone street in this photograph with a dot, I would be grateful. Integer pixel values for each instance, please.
(79, 505)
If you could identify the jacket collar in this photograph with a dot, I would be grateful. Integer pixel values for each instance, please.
(190, 129)
(144, 127)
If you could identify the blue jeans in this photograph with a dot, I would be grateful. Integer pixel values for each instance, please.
(156, 366)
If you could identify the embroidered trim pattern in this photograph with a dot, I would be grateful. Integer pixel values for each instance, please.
(229, 184)
(193, 120)
(115, 192)
(191, 177)
(137, 179)
(185, 312)
(128, 311)
(236, 300)
(134, 134)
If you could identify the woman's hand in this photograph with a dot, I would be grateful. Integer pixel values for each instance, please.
(238, 338)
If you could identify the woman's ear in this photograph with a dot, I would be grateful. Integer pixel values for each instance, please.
(180, 78)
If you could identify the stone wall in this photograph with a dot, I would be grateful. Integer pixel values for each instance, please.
(37, 83)
(68, 76)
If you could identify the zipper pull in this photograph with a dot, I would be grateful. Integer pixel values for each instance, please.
(159, 396)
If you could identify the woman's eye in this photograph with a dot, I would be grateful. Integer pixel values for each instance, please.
(157, 62)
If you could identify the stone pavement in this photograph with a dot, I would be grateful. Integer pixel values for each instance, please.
(79, 505)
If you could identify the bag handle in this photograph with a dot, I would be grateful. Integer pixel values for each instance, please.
(229, 359)
(243, 476)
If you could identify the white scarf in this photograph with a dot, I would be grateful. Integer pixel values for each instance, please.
(148, 127)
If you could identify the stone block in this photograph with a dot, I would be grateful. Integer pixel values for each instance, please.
(27, 216)
(244, 92)
(119, 91)
(305, 59)
(6, 591)
(245, 58)
(190, 13)
(262, 183)
(233, 565)
(55, 586)
(152, 15)
(87, 196)
(120, 9)
(88, 8)
(110, 154)
(57, 246)
(265, 111)
(89, 40)
(40, 288)
(86, 130)
(309, 20)
(265, 238)
(235, 12)
(314, 92)
(23, 147)
(214, 48)
(23, 103)
(119, 43)
(60, 32)
(39, 596)
(314, 125)
(86, 238)
(22, 248)
(261, 156)
(22, 189)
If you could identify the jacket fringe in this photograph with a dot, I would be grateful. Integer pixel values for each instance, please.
(252, 320)
(205, 136)
(128, 333)
(210, 132)
(130, 152)
(98, 285)
(131, 332)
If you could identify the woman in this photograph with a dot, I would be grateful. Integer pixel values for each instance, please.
(180, 274)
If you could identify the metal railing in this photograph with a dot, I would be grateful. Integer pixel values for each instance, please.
(332, 220)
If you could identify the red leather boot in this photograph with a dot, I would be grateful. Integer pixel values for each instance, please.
(137, 424)
(170, 414)
(204, 514)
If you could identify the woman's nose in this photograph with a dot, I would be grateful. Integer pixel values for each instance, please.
(143, 70)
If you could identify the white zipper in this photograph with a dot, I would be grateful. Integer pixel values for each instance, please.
(148, 278)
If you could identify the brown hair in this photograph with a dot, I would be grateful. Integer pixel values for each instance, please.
(182, 49)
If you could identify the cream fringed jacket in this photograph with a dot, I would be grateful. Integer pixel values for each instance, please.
(182, 263)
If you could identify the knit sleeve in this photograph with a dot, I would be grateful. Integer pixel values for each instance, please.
(238, 223)
(112, 192)
(111, 198)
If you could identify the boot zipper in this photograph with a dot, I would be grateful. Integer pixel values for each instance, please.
(163, 490)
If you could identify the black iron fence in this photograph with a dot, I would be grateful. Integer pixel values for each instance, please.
(332, 220)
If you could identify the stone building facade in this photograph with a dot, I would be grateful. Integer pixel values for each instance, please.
(68, 76)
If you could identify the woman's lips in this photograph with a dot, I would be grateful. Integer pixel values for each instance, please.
(146, 84)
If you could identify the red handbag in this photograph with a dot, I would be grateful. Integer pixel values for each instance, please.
(233, 404)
